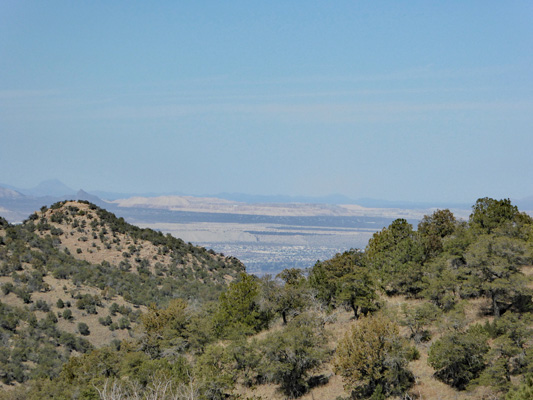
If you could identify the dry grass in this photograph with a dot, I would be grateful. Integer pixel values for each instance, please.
(527, 270)
(331, 390)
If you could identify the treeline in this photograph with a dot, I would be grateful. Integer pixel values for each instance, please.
(212, 350)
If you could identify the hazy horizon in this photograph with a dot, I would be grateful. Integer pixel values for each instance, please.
(53, 188)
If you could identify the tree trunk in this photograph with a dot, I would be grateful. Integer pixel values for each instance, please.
(355, 314)
(495, 305)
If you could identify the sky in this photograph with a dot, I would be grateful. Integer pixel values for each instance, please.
(412, 101)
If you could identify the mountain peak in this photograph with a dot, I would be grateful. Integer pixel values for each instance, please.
(83, 195)
(51, 187)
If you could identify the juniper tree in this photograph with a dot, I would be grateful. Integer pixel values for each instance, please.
(372, 358)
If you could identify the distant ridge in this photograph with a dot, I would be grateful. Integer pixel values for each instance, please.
(6, 193)
(249, 198)
(410, 205)
(83, 195)
(338, 199)
(52, 187)
(17, 204)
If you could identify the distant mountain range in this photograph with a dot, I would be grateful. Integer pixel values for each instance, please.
(17, 203)
(48, 188)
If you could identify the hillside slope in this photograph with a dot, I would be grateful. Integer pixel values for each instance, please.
(96, 235)
(444, 311)
(74, 276)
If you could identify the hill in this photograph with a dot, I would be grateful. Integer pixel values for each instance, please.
(74, 277)
(98, 236)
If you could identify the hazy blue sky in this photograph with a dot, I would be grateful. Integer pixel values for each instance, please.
(415, 100)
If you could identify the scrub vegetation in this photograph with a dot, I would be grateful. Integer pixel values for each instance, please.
(95, 308)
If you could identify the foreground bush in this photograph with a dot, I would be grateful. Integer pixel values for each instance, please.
(459, 357)
(372, 358)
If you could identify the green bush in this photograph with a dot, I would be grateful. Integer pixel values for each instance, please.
(459, 357)
(372, 358)
(288, 356)
(67, 314)
(83, 329)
